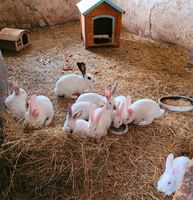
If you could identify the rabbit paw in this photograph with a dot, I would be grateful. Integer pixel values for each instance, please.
(143, 123)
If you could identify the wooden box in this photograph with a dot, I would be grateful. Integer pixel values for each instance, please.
(14, 39)
(100, 22)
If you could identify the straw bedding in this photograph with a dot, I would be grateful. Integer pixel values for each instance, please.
(47, 164)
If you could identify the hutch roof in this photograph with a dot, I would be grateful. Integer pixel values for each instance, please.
(85, 6)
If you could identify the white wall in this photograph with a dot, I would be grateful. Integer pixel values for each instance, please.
(166, 20)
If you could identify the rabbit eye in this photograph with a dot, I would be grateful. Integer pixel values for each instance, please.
(119, 122)
(169, 182)
(89, 78)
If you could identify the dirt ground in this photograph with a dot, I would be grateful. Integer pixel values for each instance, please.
(143, 69)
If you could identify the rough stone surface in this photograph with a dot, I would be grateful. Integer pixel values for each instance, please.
(165, 20)
(185, 191)
(27, 13)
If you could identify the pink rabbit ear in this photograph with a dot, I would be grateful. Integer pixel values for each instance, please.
(99, 116)
(101, 104)
(107, 93)
(169, 162)
(16, 89)
(114, 88)
(121, 109)
(37, 112)
(32, 103)
(130, 111)
(117, 113)
(69, 111)
(175, 171)
(77, 114)
(91, 112)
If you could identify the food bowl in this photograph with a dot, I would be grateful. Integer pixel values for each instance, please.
(119, 131)
(176, 103)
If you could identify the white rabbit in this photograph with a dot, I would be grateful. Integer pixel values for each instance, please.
(71, 85)
(117, 118)
(83, 105)
(73, 125)
(100, 120)
(97, 127)
(173, 174)
(144, 111)
(97, 99)
(16, 102)
(40, 111)
(127, 102)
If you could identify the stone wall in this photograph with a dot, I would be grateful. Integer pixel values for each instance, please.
(35, 13)
(165, 20)
(185, 191)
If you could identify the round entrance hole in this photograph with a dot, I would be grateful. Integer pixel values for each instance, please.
(24, 39)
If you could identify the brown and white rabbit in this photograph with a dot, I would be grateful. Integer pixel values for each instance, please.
(71, 85)
(173, 174)
(16, 101)
(40, 111)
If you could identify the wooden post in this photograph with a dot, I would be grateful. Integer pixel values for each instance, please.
(3, 81)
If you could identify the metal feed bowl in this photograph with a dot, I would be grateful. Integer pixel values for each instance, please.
(178, 108)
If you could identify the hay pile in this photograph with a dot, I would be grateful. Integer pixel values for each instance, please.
(46, 164)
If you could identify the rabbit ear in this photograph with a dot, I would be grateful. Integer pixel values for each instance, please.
(114, 87)
(130, 111)
(77, 114)
(176, 171)
(69, 111)
(91, 112)
(169, 162)
(36, 112)
(107, 93)
(99, 116)
(32, 103)
(82, 67)
(16, 89)
(117, 109)
(128, 101)
(121, 109)
(101, 104)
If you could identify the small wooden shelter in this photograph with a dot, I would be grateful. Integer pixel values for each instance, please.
(100, 22)
(14, 39)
